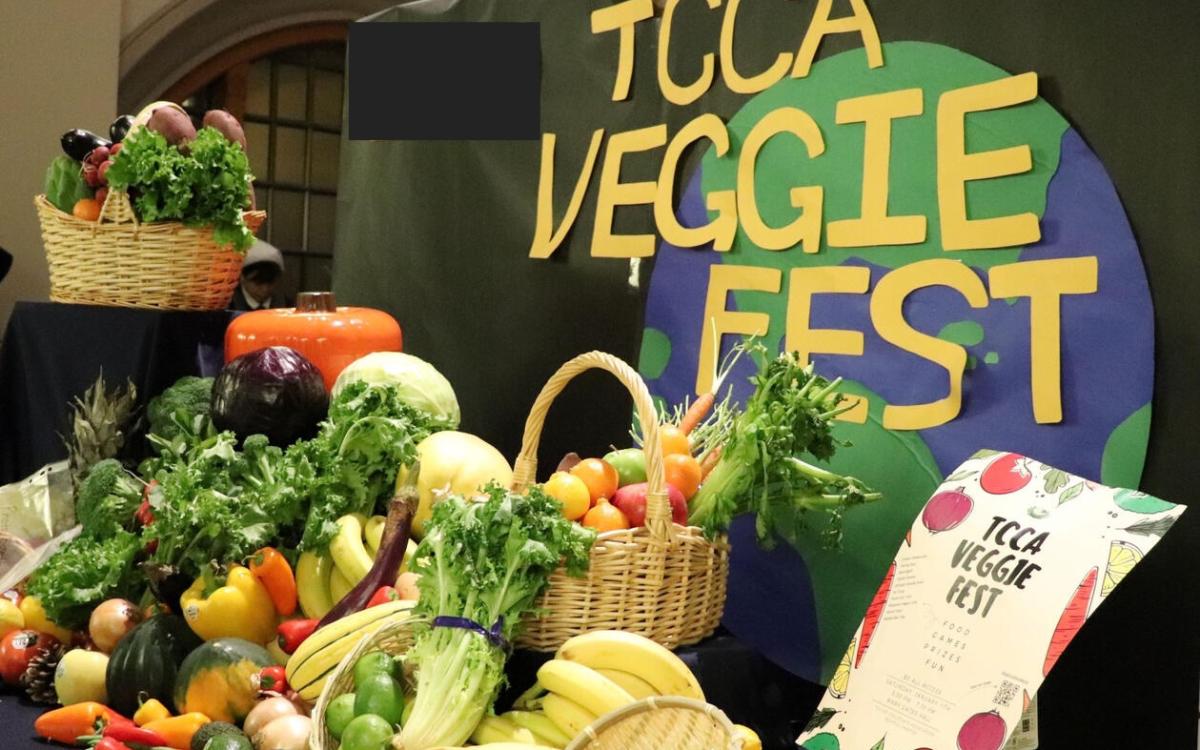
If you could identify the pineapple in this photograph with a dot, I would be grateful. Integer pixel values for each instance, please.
(99, 424)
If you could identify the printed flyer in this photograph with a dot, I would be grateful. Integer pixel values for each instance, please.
(1002, 568)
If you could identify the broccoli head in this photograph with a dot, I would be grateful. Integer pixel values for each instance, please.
(176, 409)
(108, 498)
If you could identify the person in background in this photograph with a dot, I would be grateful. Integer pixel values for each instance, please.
(261, 272)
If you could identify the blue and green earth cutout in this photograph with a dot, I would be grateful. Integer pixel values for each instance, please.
(799, 604)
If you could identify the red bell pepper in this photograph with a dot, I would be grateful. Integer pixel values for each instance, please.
(293, 632)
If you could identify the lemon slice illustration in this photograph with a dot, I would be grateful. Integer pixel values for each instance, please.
(841, 676)
(1122, 556)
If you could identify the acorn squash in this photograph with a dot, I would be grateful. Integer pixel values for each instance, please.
(216, 679)
(146, 661)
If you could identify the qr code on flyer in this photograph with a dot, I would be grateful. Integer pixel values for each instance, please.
(1007, 692)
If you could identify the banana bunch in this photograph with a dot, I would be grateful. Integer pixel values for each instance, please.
(591, 675)
(323, 579)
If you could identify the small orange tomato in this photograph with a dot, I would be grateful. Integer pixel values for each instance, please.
(571, 492)
(605, 516)
(683, 472)
(674, 440)
(87, 209)
(599, 476)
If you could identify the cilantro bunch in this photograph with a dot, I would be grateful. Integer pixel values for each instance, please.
(204, 183)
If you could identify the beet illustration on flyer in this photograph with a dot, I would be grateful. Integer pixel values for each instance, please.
(1001, 569)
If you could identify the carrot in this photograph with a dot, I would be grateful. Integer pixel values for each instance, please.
(874, 613)
(275, 574)
(1071, 620)
(69, 723)
(710, 462)
(697, 412)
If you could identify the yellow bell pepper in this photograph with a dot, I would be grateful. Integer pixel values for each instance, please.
(241, 608)
(151, 710)
(178, 730)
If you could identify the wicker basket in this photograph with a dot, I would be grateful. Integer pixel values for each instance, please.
(663, 581)
(658, 724)
(120, 261)
(394, 638)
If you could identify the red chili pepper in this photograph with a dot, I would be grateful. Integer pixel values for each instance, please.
(293, 632)
(273, 678)
(383, 595)
(110, 743)
(133, 733)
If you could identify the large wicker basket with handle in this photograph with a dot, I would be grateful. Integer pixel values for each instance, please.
(663, 581)
(660, 723)
(118, 260)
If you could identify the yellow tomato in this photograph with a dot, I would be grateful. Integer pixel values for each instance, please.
(571, 491)
(599, 476)
(674, 440)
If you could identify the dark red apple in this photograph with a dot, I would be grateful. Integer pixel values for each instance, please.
(631, 500)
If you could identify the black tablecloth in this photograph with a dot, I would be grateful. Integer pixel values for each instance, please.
(751, 690)
(52, 352)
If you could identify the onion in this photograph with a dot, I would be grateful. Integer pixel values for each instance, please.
(110, 621)
(266, 712)
(285, 733)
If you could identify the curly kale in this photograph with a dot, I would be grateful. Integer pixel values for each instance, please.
(86, 571)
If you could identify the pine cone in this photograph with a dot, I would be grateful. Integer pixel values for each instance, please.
(38, 679)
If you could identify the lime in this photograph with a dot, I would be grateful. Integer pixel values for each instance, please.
(339, 714)
(374, 662)
(381, 695)
(367, 732)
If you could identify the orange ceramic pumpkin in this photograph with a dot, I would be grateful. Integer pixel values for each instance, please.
(329, 336)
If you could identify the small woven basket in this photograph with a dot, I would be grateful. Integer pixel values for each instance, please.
(119, 261)
(394, 638)
(660, 724)
(662, 580)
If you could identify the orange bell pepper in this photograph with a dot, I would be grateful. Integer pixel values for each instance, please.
(178, 730)
(69, 723)
(275, 574)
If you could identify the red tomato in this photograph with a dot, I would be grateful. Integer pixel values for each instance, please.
(18, 648)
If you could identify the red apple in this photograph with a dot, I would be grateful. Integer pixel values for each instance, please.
(631, 500)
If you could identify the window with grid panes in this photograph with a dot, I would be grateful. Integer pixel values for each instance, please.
(292, 115)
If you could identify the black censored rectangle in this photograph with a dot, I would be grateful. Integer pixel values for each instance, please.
(444, 81)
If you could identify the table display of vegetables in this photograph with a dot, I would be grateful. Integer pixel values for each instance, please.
(212, 593)
(171, 171)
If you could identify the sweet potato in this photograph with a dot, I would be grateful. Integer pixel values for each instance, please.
(173, 124)
(227, 125)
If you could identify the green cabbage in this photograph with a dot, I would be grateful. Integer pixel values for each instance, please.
(64, 183)
(417, 383)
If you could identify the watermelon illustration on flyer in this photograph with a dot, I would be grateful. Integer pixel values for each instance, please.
(1005, 564)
